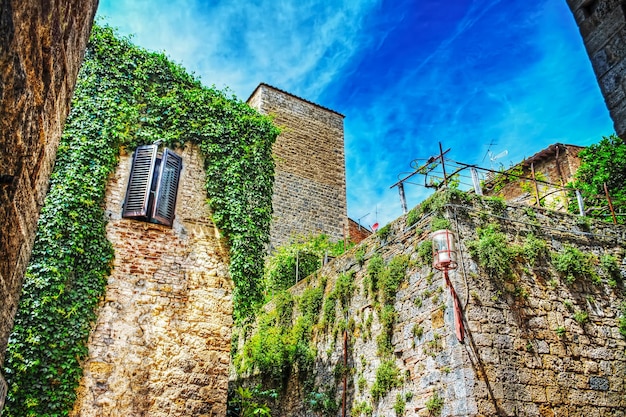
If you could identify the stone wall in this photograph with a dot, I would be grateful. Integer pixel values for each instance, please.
(41, 48)
(161, 345)
(310, 182)
(527, 349)
(602, 24)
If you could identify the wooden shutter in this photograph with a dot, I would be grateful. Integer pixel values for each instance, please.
(167, 188)
(138, 191)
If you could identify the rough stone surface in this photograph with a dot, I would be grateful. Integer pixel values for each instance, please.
(41, 48)
(602, 25)
(514, 361)
(161, 344)
(310, 181)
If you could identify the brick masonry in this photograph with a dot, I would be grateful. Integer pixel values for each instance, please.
(310, 180)
(514, 361)
(602, 25)
(41, 48)
(161, 344)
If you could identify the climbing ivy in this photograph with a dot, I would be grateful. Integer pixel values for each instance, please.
(124, 97)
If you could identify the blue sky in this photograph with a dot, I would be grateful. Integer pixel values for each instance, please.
(478, 76)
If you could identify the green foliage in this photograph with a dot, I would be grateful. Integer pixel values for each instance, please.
(534, 249)
(439, 223)
(387, 377)
(311, 303)
(323, 402)
(246, 406)
(400, 405)
(505, 177)
(387, 319)
(604, 162)
(609, 264)
(575, 264)
(560, 331)
(492, 251)
(425, 252)
(391, 278)
(434, 404)
(361, 408)
(375, 268)
(291, 263)
(124, 97)
(384, 232)
(581, 317)
(413, 216)
(359, 255)
(497, 204)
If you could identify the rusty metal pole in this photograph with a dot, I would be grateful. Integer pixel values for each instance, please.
(402, 197)
(459, 327)
(532, 170)
(345, 373)
(608, 198)
(443, 166)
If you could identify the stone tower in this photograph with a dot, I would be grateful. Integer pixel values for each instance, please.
(41, 49)
(310, 181)
(602, 24)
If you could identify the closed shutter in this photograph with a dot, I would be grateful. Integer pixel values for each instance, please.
(167, 188)
(138, 191)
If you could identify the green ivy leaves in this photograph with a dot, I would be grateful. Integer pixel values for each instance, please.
(126, 96)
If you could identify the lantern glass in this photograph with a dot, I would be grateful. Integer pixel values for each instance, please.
(444, 250)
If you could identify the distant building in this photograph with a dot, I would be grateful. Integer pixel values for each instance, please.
(553, 167)
(310, 180)
(357, 232)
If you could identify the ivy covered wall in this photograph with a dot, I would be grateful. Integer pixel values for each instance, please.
(544, 307)
(126, 96)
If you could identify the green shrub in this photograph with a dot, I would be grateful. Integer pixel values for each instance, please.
(311, 302)
(425, 252)
(400, 405)
(375, 268)
(392, 276)
(581, 317)
(413, 216)
(534, 249)
(439, 223)
(435, 404)
(387, 377)
(492, 251)
(575, 264)
(610, 266)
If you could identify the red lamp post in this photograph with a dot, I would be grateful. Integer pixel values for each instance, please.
(444, 259)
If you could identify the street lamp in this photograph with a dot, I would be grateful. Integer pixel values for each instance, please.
(444, 259)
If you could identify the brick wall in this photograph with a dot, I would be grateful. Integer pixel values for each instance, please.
(310, 182)
(513, 362)
(161, 344)
(602, 25)
(42, 45)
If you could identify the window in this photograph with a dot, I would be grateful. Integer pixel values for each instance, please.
(153, 185)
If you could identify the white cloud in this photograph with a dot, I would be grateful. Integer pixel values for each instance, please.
(299, 47)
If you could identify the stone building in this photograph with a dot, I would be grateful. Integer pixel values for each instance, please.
(161, 344)
(553, 167)
(602, 25)
(310, 180)
(42, 45)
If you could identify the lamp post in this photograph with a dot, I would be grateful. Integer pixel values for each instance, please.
(444, 259)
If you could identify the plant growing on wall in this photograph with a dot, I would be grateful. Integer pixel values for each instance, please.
(603, 163)
(126, 96)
